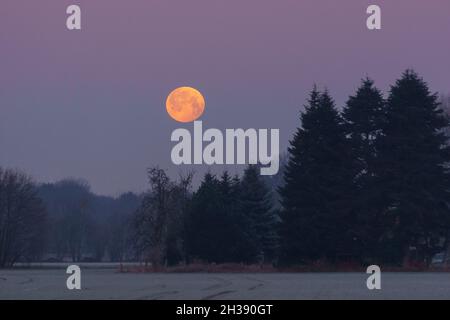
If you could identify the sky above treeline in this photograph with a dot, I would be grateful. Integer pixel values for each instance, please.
(91, 104)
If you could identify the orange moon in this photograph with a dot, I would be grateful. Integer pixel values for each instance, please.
(185, 104)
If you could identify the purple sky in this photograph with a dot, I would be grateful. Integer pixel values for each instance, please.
(90, 104)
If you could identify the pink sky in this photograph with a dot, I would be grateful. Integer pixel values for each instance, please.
(90, 104)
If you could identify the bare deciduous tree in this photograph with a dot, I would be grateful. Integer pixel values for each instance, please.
(22, 218)
(158, 222)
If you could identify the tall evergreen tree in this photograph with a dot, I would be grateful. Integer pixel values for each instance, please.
(412, 171)
(262, 222)
(317, 186)
(364, 115)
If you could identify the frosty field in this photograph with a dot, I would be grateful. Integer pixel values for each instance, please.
(107, 283)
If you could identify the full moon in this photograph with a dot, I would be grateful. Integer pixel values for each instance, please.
(185, 104)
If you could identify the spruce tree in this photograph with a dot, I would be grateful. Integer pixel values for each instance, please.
(257, 210)
(208, 224)
(239, 247)
(317, 182)
(364, 115)
(412, 171)
(217, 231)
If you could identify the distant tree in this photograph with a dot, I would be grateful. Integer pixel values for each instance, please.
(412, 171)
(317, 188)
(69, 204)
(119, 226)
(364, 115)
(86, 226)
(256, 205)
(22, 219)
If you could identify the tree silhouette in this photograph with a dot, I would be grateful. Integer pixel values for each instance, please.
(256, 205)
(364, 114)
(158, 222)
(317, 186)
(22, 219)
(210, 223)
(412, 172)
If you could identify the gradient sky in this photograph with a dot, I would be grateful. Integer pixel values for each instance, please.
(90, 103)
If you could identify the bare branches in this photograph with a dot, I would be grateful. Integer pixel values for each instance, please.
(22, 218)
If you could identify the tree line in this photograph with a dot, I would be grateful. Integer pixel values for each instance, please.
(227, 219)
(62, 221)
(371, 183)
(366, 184)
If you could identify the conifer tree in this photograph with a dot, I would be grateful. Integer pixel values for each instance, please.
(211, 234)
(238, 234)
(413, 176)
(262, 222)
(364, 115)
(202, 226)
(317, 184)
